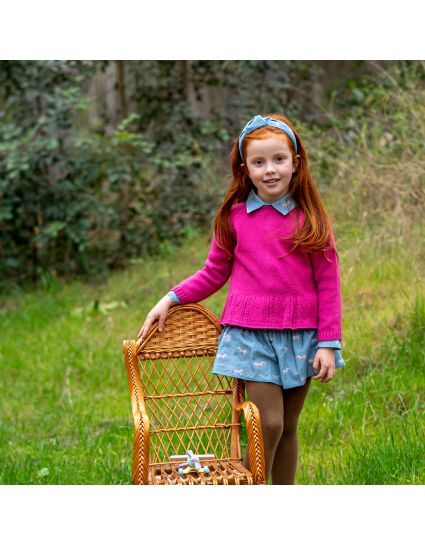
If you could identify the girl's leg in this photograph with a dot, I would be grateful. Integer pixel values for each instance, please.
(269, 400)
(285, 460)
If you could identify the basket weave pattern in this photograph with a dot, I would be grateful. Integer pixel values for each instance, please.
(179, 405)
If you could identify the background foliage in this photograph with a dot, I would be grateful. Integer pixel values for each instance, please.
(88, 182)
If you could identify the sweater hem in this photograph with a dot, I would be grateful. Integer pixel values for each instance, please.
(322, 336)
(275, 312)
(268, 325)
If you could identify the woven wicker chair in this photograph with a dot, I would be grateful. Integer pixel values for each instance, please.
(179, 405)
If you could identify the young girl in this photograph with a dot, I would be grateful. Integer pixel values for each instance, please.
(282, 316)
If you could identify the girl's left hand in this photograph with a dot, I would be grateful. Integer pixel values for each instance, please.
(326, 358)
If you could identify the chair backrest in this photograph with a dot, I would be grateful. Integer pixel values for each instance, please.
(189, 408)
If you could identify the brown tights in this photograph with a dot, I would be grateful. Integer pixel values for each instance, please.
(279, 411)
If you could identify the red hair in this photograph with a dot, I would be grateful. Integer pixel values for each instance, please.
(315, 234)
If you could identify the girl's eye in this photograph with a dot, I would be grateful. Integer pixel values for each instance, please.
(281, 158)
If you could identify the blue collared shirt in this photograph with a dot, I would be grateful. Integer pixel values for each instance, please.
(284, 205)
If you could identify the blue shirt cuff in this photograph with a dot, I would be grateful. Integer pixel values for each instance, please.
(329, 344)
(173, 296)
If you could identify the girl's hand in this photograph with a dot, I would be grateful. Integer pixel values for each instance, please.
(326, 358)
(158, 312)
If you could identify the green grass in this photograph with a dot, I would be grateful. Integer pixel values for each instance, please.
(65, 411)
(369, 428)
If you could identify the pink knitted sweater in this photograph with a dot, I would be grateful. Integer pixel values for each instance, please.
(295, 292)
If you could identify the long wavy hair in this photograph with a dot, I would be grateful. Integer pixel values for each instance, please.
(315, 234)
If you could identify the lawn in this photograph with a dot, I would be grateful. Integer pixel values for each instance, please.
(66, 415)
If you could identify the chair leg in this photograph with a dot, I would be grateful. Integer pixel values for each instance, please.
(141, 449)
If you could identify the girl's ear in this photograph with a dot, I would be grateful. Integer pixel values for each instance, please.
(244, 169)
(295, 163)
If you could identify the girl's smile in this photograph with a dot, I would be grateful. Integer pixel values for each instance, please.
(270, 165)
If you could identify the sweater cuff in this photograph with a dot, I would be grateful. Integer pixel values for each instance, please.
(328, 335)
(179, 293)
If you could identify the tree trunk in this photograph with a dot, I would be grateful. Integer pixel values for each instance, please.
(122, 92)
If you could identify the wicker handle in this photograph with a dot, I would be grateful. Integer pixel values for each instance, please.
(140, 417)
(255, 441)
(141, 449)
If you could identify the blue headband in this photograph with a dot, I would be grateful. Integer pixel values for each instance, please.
(259, 121)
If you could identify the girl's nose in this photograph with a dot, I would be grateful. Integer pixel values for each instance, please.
(270, 167)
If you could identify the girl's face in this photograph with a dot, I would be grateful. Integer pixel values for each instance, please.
(270, 165)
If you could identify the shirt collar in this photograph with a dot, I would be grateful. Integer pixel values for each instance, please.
(284, 205)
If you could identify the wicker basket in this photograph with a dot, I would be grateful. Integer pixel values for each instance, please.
(179, 405)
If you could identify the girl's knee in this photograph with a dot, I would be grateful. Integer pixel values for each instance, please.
(272, 427)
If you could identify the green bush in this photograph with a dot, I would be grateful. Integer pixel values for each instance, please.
(77, 201)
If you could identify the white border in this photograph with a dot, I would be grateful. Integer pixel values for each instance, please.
(247, 29)
(264, 514)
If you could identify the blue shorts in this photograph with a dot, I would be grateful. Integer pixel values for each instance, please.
(282, 356)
